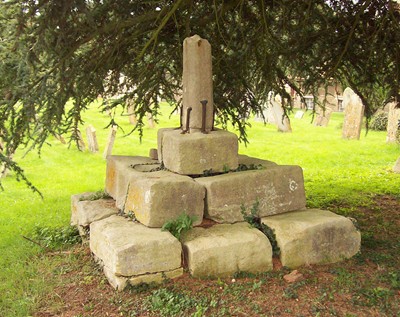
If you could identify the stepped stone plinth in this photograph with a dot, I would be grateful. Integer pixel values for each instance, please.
(314, 237)
(223, 250)
(129, 250)
(277, 189)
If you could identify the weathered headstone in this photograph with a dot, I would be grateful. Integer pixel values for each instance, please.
(396, 167)
(110, 141)
(132, 117)
(393, 123)
(92, 139)
(81, 142)
(281, 119)
(323, 117)
(150, 121)
(353, 115)
(299, 115)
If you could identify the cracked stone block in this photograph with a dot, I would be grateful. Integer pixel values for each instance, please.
(161, 196)
(119, 172)
(314, 236)
(128, 249)
(223, 250)
(277, 188)
(194, 153)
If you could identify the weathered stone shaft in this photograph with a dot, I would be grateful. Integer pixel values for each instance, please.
(197, 83)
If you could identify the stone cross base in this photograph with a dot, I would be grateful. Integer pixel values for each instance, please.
(198, 153)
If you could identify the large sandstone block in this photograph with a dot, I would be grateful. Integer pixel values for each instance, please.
(194, 153)
(118, 173)
(158, 197)
(278, 189)
(223, 250)
(314, 237)
(129, 249)
(84, 212)
(75, 199)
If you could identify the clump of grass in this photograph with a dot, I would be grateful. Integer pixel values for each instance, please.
(180, 225)
(100, 194)
(53, 238)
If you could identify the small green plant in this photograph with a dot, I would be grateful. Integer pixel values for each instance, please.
(179, 225)
(56, 237)
(100, 194)
(254, 220)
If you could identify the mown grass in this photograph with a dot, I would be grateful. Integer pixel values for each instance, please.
(336, 171)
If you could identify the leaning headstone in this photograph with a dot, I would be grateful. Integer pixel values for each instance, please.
(81, 143)
(393, 123)
(281, 119)
(299, 115)
(396, 167)
(353, 115)
(92, 139)
(131, 114)
(323, 117)
(110, 141)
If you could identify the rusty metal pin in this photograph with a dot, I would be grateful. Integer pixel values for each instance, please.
(203, 115)
(187, 120)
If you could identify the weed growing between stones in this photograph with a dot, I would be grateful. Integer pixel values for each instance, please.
(53, 238)
(253, 218)
(180, 225)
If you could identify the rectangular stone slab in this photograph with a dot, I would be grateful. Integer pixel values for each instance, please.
(118, 173)
(223, 250)
(195, 153)
(278, 189)
(88, 211)
(128, 248)
(161, 196)
(314, 236)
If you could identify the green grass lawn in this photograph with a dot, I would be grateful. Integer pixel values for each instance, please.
(336, 171)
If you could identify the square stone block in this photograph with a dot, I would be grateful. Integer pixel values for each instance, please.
(118, 173)
(278, 189)
(194, 153)
(314, 237)
(88, 211)
(129, 249)
(158, 197)
(223, 250)
(75, 199)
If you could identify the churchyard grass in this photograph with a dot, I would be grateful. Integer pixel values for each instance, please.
(339, 174)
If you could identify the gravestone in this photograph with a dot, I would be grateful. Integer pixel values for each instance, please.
(92, 139)
(393, 123)
(323, 117)
(131, 114)
(110, 141)
(396, 167)
(281, 119)
(150, 121)
(353, 115)
(81, 142)
(299, 115)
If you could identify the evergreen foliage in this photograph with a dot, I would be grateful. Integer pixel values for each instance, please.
(58, 56)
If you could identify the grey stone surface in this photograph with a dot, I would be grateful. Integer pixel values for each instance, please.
(223, 250)
(158, 197)
(191, 154)
(88, 211)
(248, 160)
(75, 199)
(118, 174)
(128, 249)
(278, 189)
(314, 237)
